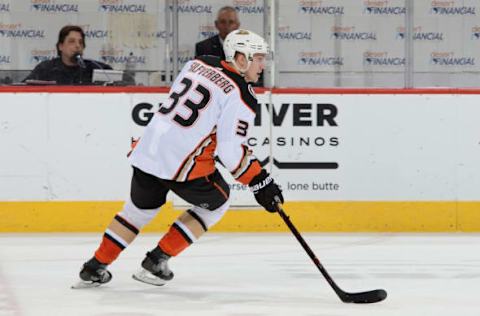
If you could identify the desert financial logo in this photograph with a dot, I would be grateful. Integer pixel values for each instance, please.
(4, 7)
(284, 33)
(419, 34)
(442, 7)
(39, 55)
(448, 59)
(348, 33)
(206, 31)
(119, 56)
(381, 59)
(381, 7)
(316, 7)
(161, 34)
(475, 33)
(183, 56)
(186, 6)
(92, 33)
(318, 59)
(4, 59)
(50, 6)
(117, 6)
(248, 7)
(15, 31)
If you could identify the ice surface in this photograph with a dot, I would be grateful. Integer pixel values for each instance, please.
(247, 274)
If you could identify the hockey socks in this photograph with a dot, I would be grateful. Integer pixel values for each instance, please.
(186, 229)
(119, 234)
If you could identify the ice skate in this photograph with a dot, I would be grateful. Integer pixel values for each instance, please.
(155, 269)
(93, 274)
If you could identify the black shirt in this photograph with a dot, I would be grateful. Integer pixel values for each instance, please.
(56, 70)
(210, 46)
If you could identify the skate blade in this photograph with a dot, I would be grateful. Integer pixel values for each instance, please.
(146, 277)
(85, 285)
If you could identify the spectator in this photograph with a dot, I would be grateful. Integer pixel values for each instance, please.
(69, 68)
(227, 21)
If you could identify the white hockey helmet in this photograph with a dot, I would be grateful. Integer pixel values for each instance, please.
(245, 42)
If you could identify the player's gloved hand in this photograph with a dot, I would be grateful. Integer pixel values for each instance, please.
(265, 190)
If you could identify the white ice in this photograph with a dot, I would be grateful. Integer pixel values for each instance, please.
(248, 274)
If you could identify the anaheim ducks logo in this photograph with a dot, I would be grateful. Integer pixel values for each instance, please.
(243, 32)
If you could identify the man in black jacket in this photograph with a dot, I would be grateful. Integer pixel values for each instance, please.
(226, 22)
(69, 68)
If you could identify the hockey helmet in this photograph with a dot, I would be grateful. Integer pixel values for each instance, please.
(245, 42)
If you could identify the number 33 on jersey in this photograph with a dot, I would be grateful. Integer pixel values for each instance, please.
(209, 112)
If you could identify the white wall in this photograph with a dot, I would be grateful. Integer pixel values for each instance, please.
(62, 146)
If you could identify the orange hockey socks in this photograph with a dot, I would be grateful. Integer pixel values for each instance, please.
(186, 229)
(117, 237)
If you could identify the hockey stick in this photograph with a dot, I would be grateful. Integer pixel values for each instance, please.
(358, 298)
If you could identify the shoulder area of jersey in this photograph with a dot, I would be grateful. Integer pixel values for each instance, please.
(213, 61)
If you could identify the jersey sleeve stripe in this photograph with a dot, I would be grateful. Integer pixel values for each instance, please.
(242, 161)
(253, 170)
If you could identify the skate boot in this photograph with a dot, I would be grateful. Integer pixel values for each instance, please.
(155, 269)
(93, 274)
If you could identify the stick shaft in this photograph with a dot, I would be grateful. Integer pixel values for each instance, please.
(309, 251)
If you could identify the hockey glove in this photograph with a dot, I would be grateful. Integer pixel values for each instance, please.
(265, 190)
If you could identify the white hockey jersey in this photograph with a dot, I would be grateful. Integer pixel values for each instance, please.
(209, 112)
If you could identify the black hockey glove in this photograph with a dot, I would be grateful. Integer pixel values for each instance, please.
(265, 190)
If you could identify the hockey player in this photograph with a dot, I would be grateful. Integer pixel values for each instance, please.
(209, 111)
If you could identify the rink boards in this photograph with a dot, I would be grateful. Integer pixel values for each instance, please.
(348, 160)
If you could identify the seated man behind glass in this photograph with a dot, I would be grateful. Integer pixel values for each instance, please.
(69, 68)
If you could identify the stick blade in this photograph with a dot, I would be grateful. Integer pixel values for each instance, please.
(365, 297)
